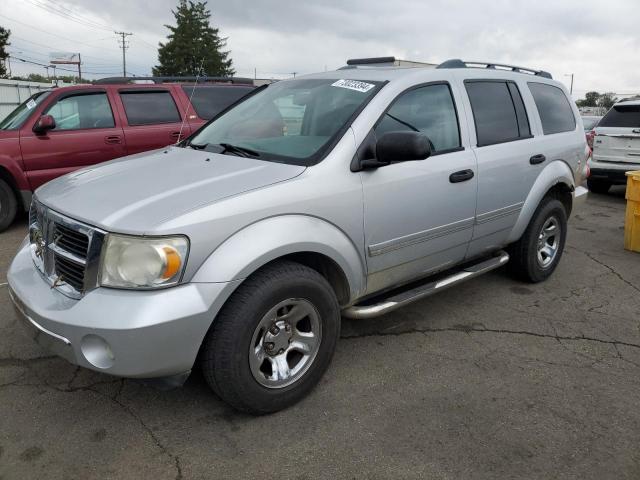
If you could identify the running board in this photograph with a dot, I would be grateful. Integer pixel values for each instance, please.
(397, 300)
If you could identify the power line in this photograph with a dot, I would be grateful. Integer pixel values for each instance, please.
(57, 48)
(24, 60)
(68, 14)
(49, 33)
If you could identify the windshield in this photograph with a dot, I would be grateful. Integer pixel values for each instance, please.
(292, 121)
(16, 118)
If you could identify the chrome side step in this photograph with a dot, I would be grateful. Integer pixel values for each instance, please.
(397, 300)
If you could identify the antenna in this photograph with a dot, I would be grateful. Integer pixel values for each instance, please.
(193, 90)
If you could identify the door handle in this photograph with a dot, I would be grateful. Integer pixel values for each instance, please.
(113, 139)
(536, 159)
(461, 176)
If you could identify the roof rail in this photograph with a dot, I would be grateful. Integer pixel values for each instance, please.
(370, 61)
(457, 63)
(203, 79)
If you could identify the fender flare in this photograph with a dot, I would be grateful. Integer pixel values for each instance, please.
(554, 173)
(261, 242)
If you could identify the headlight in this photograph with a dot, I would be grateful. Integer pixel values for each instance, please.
(143, 262)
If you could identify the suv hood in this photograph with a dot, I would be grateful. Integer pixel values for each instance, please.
(133, 194)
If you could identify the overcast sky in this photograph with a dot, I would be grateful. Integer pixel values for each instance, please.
(598, 41)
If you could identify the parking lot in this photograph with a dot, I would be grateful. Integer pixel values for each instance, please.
(493, 379)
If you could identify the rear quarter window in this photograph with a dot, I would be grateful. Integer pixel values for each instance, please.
(209, 101)
(554, 108)
(149, 107)
(626, 116)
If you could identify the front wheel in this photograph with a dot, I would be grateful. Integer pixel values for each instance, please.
(273, 340)
(8, 205)
(536, 255)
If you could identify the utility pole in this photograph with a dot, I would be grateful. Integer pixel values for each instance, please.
(79, 69)
(124, 45)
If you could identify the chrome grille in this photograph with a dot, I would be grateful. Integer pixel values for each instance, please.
(71, 240)
(65, 251)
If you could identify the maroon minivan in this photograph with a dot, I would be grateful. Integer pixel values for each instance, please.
(60, 130)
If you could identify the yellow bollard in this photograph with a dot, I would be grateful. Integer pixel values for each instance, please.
(632, 217)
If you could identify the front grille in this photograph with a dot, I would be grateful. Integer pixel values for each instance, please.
(71, 240)
(70, 272)
(65, 251)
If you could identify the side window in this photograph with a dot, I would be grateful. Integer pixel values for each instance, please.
(149, 107)
(82, 111)
(498, 111)
(554, 108)
(208, 101)
(429, 109)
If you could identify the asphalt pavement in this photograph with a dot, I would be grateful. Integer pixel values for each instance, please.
(494, 379)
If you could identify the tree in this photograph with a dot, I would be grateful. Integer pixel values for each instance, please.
(607, 100)
(193, 42)
(4, 43)
(590, 100)
(595, 99)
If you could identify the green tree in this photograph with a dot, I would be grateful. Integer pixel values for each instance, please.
(607, 100)
(590, 100)
(193, 42)
(4, 43)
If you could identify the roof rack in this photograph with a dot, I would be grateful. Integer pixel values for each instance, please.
(203, 79)
(457, 63)
(370, 61)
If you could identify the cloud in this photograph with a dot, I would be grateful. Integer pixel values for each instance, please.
(597, 41)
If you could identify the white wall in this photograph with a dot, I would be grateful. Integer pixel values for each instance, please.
(14, 92)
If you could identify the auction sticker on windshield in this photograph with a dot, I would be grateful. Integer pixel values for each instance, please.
(354, 85)
(31, 103)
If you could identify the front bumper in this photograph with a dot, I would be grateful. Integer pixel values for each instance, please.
(139, 334)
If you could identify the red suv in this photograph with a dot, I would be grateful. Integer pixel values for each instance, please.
(63, 129)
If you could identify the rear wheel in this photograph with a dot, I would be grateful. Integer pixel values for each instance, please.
(273, 340)
(536, 255)
(598, 186)
(8, 205)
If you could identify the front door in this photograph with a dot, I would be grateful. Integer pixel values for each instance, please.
(86, 133)
(419, 215)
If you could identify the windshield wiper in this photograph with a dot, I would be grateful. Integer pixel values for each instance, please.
(225, 148)
(237, 150)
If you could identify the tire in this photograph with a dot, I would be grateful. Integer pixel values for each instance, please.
(239, 337)
(529, 259)
(598, 186)
(8, 205)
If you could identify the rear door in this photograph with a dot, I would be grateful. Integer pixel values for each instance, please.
(151, 118)
(503, 146)
(617, 138)
(86, 132)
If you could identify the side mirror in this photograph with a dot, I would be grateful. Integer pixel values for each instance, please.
(44, 124)
(402, 147)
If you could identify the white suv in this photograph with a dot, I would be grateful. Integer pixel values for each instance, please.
(616, 146)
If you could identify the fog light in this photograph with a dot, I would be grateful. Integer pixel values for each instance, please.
(97, 351)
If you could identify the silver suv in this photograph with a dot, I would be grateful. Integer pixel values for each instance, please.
(346, 193)
(616, 146)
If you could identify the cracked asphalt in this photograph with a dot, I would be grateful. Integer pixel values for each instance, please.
(492, 379)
